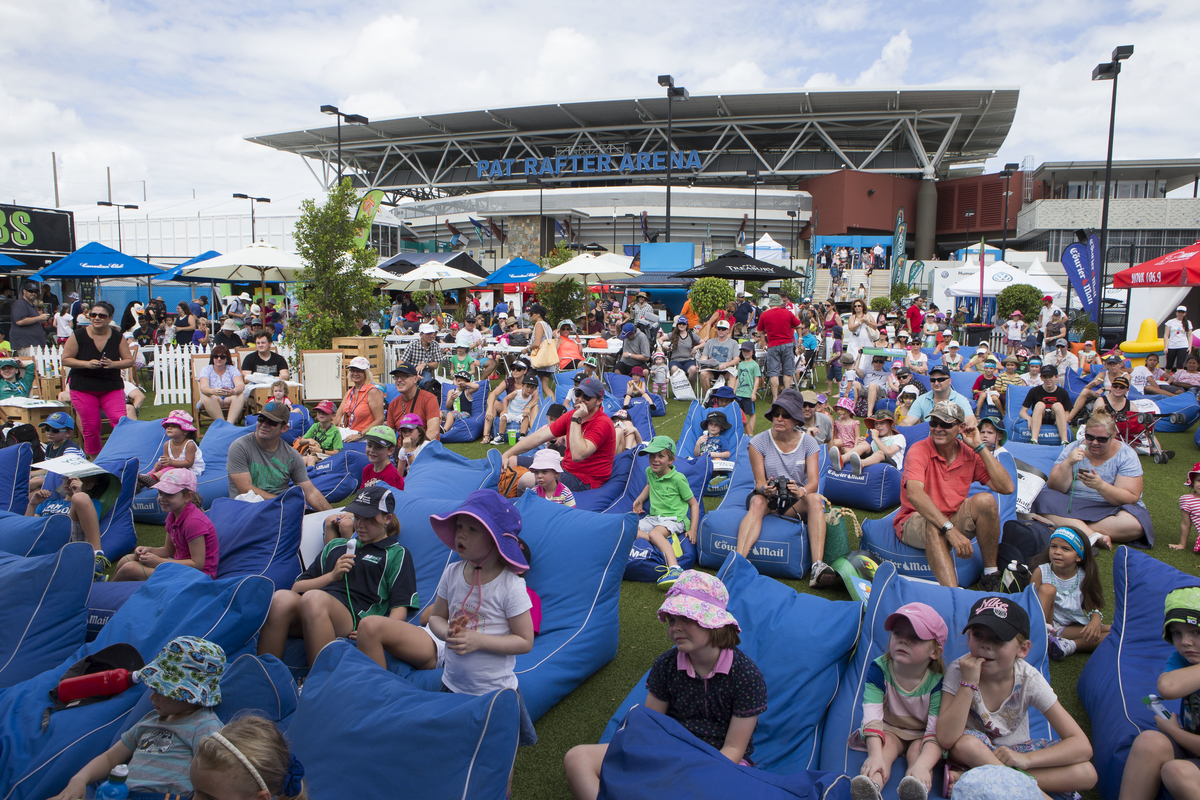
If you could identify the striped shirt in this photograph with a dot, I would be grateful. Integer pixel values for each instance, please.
(163, 750)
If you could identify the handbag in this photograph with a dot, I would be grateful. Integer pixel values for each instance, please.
(838, 520)
(509, 478)
(545, 356)
(680, 386)
(302, 447)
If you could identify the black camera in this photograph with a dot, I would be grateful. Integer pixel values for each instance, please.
(783, 499)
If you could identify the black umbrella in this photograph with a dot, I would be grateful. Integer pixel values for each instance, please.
(739, 266)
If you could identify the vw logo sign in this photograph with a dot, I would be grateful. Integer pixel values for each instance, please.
(1002, 277)
(945, 273)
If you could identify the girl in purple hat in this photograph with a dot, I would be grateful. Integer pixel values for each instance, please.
(704, 682)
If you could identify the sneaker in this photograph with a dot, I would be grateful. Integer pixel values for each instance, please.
(863, 788)
(854, 461)
(822, 576)
(668, 578)
(835, 460)
(100, 568)
(992, 583)
(1061, 647)
(498, 440)
(910, 789)
(146, 481)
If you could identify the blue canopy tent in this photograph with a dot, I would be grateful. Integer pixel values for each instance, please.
(94, 260)
(175, 273)
(518, 270)
(5, 261)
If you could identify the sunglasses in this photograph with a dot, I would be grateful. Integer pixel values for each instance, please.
(1097, 439)
(782, 414)
(810, 405)
(97, 316)
(268, 423)
(938, 380)
(939, 423)
(220, 357)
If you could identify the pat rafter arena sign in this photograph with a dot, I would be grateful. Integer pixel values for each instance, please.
(599, 163)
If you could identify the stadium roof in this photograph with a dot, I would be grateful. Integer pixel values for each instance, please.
(786, 136)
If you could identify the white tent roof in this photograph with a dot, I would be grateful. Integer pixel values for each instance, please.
(999, 276)
(1036, 268)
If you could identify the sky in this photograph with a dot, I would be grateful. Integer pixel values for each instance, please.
(165, 93)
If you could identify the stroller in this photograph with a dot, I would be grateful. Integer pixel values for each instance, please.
(1135, 427)
(806, 371)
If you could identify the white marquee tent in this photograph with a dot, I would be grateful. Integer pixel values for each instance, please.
(999, 276)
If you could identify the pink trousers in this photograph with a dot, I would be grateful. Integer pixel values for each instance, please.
(88, 406)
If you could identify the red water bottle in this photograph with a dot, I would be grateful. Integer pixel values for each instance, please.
(108, 682)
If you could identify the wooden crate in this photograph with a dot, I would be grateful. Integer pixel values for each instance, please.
(369, 347)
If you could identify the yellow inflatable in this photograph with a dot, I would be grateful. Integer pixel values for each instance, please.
(1148, 341)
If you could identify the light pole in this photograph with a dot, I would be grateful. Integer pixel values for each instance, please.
(674, 93)
(615, 201)
(792, 235)
(118, 207)
(353, 119)
(753, 173)
(967, 254)
(1109, 72)
(252, 200)
(1009, 169)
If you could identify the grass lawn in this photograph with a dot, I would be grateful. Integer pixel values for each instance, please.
(581, 717)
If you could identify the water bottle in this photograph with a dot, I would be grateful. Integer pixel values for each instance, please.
(351, 547)
(96, 684)
(115, 787)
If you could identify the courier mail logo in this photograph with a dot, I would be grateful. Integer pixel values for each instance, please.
(763, 551)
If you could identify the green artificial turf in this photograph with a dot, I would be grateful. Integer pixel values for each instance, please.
(582, 715)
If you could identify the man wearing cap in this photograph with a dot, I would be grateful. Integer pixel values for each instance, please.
(935, 513)
(424, 354)
(1062, 358)
(414, 400)
(1047, 403)
(719, 354)
(635, 349)
(591, 441)
(779, 326)
(27, 332)
(817, 425)
(495, 405)
(264, 464)
(875, 380)
(942, 391)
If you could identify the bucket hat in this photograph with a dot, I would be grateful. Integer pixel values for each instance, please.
(846, 403)
(723, 393)
(1192, 473)
(181, 418)
(496, 514)
(701, 598)
(722, 420)
(881, 415)
(789, 402)
(174, 481)
(188, 669)
(927, 623)
(1182, 605)
(547, 459)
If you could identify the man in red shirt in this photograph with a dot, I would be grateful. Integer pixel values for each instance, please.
(413, 400)
(916, 316)
(935, 513)
(591, 441)
(778, 325)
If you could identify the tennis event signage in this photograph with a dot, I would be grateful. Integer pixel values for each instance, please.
(598, 163)
(36, 231)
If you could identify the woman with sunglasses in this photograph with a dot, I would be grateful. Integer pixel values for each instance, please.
(222, 388)
(1098, 479)
(786, 451)
(96, 354)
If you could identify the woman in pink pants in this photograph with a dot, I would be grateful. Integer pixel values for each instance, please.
(96, 354)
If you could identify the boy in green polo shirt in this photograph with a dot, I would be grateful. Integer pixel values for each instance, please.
(673, 504)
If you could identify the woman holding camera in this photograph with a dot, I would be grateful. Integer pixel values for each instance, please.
(785, 451)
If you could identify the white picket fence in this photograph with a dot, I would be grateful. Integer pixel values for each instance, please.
(173, 371)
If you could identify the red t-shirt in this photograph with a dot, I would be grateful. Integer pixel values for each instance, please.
(946, 485)
(778, 324)
(597, 468)
(916, 319)
(389, 475)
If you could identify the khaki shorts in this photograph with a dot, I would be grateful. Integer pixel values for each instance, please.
(913, 532)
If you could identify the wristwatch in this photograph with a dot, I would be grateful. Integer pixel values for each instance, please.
(947, 526)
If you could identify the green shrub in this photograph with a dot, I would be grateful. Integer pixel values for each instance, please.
(709, 294)
(1021, 297)
(881, 303)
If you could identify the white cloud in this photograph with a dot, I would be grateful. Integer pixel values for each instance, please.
(888, 69)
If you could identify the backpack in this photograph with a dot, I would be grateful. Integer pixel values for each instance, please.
(509, 479)
(1023, 541)
(115, 656)
(21, 433)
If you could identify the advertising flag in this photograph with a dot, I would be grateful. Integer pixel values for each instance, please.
(741, 235)
(367, 207)
(1076, 262)
(497, 231)
(456, 234)
(1093, 246)
(899, 242)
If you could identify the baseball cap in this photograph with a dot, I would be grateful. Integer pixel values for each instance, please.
(681, 320)
(948, 411)
(953, 343)
(1002, 616)
(277, 412)
(381, 434)
(410, 422)
(360, 362)
(373, 500)
(1121, 380)
(1182, 605)
(325, 407)
(995, 423)
(59, 420)
(592, 387)
(939, 369)
(1113, 359)
(1181, 308)
(627, 330)
(658, 444)
(502, 315)
(1060, 343)
(1047, 299)
(579, 378)
(404, 368)
(592, 362)
(903, 371)
(547, 459)
(529, 380)
(809, 397)
(1047, 370)
(1056, 313)
(723, 323)
(466, 376)
(174, 481)
(897, 364)
(909, 390)
(927, 623)
(427, 327)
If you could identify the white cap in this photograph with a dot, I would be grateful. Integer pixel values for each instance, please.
(427, 327)
(358, 362)
(1182, 308)
(722, 323)
(953, 343)
(502, 315)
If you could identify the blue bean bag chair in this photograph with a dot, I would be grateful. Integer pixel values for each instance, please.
(890, 591)
(14, 477)
(42, 600)
(640, 415)
(876, 488)
(618, 383)
(607, 495)
(1185, 404)
(338, 476)
(646, 562)
(33, 536)
(175, 601)
(260, 685)
(441, 472)
(211, 484)
(801, 643)
(782, 548)
(564, 384)
(1126, 665)
(693, 426)
(117, 537)
(1017, 428)
(467, 429)
(964, 384)
(455, 745)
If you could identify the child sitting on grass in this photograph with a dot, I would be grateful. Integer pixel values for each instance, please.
(673, 504)
(1189, 511)
(704, 682)
(986, 697)
(323, 438)
(191, 537)
(1068, 586)
(458, 399)
(713, 441)
(1170, 756)
(546, 467)
(185, 684)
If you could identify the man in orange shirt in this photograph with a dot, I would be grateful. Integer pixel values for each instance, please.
(413, 400)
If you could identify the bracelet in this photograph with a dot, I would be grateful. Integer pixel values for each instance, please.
(980, 448)
(970, 686)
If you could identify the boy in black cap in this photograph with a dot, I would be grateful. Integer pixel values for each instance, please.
(1048, 403)
(986, 697)
(712, 441)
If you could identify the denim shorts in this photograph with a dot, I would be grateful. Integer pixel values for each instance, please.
(528, 735)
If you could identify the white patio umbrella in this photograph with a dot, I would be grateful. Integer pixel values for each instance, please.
(589, 268)
(260, 260)
(431, 276)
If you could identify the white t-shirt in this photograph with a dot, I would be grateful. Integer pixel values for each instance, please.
(504, 597)
(1139, 377)
(1012, 329)
(63, 326)
(1009, 724)
(472, 340)
(896, 440)
(1177, 334)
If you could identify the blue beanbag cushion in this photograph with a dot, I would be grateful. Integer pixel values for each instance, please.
(877, 488)
(14, 477)
(610, 493)
(879, 537)
(964, 384)
(1126, 665)
(117, 536)
(33, 536)
(564, 383)
(890, 591)
(454, 745)
(693, 426)
(1017, 428)
(801, 643)
(260, 685)
(175, 601)
(42, 600)
(211, 484)
(260, 538)
(440, 472)
(468, 429)
(1185, 404)
(337, 477)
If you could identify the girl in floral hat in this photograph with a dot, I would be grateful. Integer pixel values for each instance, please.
(704, 682)
(185, 684)
(181, 450)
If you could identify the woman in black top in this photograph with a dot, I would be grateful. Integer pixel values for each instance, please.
(185, 324)
(96, 354)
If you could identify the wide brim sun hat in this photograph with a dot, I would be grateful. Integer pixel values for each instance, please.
(188, 669)
(496, 514)
(701, 598)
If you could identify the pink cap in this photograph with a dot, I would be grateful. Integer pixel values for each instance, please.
(897, 364)
(174, 481)
(180, 418)
(927, 623)
(1194, 471)
(326, 407)
(410, 421)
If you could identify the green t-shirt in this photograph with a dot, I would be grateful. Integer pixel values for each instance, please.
(20, 387)
(669, 494)
(458, 365)
(747, 371)
(326, 439)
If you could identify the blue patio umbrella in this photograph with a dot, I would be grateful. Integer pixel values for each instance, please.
(174, 273)
(518, 270)
(5, 261)
(94, 260)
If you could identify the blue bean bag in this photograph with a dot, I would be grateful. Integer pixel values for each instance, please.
(117, 537)
(441, 472)
(782, 548)
(338, 476)
(42, 600)
(802, 643)
(1126, 665)
(1017, 428)
(890, 591)
(640, 415)
(618, 383)
(646, 562)
(564, 384)
(175, 601)
(454, 745)
(467, 429)
(211, 484)
(299, 421)
(33, 536)
(14, 477)
(633, 768)
(693, 426)
(260, 685)
(610, 493)
(876, 488)
(1185, 404)
(964, 384)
